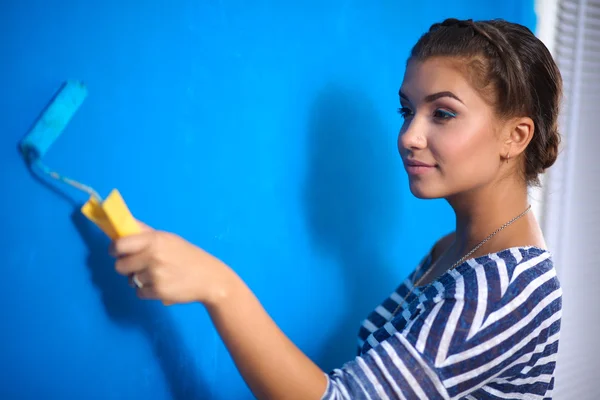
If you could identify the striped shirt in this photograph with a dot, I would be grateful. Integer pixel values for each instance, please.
(489, 329)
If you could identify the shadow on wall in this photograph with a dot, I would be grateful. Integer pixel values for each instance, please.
(124, 307)
(351, 202)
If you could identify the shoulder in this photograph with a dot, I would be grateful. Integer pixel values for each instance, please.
(528, 260)
(518, 275)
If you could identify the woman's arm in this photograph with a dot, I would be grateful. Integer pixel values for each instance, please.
(272, 366)
(174, 271)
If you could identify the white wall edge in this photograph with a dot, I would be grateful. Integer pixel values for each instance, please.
(547, 14)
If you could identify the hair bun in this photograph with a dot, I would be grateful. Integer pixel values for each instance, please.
(552, 147)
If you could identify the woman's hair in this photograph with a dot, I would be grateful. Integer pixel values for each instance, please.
(513, 70)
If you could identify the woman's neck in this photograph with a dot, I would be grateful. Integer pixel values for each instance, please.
(483, 211)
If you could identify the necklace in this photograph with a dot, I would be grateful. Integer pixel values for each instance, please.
(459, 262)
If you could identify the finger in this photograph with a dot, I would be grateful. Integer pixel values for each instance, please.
(141, 278)
(147, 292)
(134, 280)
(129, 265)
(132, 244)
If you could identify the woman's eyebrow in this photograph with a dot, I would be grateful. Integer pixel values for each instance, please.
(432, 97)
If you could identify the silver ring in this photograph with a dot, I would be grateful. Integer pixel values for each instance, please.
(137, 281)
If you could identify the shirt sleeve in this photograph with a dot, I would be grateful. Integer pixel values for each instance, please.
(391, 370)
(457, 344)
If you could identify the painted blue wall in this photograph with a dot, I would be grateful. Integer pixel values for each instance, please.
(265, 133)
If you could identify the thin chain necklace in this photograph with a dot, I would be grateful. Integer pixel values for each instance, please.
(459, 262)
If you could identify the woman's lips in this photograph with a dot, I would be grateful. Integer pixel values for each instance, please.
(415, 167)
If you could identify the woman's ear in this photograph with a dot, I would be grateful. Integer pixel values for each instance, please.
(518, 134)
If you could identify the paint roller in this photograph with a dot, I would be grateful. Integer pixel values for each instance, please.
(111, 215)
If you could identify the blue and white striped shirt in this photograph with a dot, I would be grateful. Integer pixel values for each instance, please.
(489, 329)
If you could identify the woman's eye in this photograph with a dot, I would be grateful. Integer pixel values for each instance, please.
(405, 112)
(443, 114)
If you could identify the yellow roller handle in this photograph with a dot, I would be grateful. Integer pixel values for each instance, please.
(112, 215)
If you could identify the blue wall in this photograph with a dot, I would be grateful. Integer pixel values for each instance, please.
(264, 133)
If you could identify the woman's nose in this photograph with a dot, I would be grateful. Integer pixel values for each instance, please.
(412, 136)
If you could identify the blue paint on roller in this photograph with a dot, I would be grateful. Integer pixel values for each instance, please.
(53, 120)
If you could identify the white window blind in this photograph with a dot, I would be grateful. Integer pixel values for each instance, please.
(570, 210)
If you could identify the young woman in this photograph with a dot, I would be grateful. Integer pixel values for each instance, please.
(479, 318)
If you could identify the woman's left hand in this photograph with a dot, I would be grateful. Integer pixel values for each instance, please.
(166, 267)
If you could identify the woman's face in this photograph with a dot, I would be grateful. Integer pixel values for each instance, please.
(447, 142)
